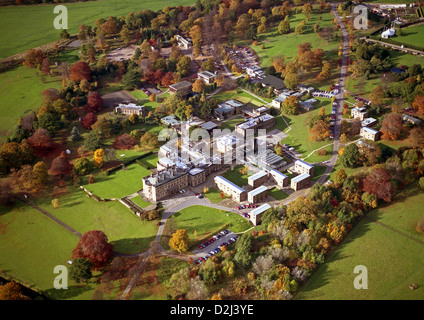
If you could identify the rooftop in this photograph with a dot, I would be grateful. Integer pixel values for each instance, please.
(229, 184)
(209, 125)
(206, 74)
(369, 130)
(130, 106)
(277, 174)
(258, 175)
(304, 164)
(300, 177)
(180, 85)
(272, 81)
(260, 209)
(257, 191)
(254, 121)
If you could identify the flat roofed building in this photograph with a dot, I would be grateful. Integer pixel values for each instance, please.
(184, 42)
(303, 167)
(257, 195)
(359, 113)
(131, 108)
(257, 179)
(369, 122)
(256, 214)
(234, 191)
(206, 76)
(300, 181)
(274, 82)
(276, 103)
(280, 178)
(209, 126)
(369, 134)
(183, 87)
(265, 121)
(170, 121)
(411, 119)
(226, 144)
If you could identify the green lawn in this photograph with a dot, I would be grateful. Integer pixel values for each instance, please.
(119, 184)
(231, 124)
(286, 45)
(26, 27)
(214, 195)
(235, 176)
(393, 260)
(31, 245)
(140, 202)
(123, 228)
(277, 194)
(298, 136)
(239, 95)
(205, 221)
(412, 35)
(21, 89)
(318, 172)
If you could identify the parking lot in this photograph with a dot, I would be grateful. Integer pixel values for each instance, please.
(243, 57)
(212, 246)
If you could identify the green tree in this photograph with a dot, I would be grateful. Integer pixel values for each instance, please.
(290, 106)
(291, 81)
(350, 156)
(243, 247)
(284, 27)
(82, 166)
(80, 270)
(131, 79)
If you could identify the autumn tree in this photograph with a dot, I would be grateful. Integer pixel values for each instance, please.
(180, 241)
(60, 166)
(325, 73)
(98, 158)
(93, 246)
(199, 86)
(290, 106)
(319, 131)
(391, 127)
(340, 177)
(378, 182)
(88, 120)
(149, 140)
(11, 291)
(124, 141)
(416, 137)
(41, 141)
(418, 104)
(284, 26)
(80, 70)
(94, 101)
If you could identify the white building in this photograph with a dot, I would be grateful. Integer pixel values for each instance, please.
(256, 214)
(206, 76)
(369, 134)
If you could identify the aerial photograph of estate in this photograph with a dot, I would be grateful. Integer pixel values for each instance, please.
(208, 150)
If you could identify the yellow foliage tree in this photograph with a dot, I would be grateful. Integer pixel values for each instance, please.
(98, 158)
(180, 241)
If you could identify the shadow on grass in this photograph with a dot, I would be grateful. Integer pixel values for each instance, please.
(132, 246)
(65, 294)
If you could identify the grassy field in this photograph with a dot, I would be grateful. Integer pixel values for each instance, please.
(214, 195)
(277, 194)
(235, 176)
(21, 88)
(412, 35)
(31, 245)
(205, 221)
(26, 27)
(393, 260)
(119, 184)
(298, 135)
(239, 95)
(286, 45)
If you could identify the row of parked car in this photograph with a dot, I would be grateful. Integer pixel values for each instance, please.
(323, 94)
(216, 250)
(365, 101)
(214, 238)
(246, 206)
